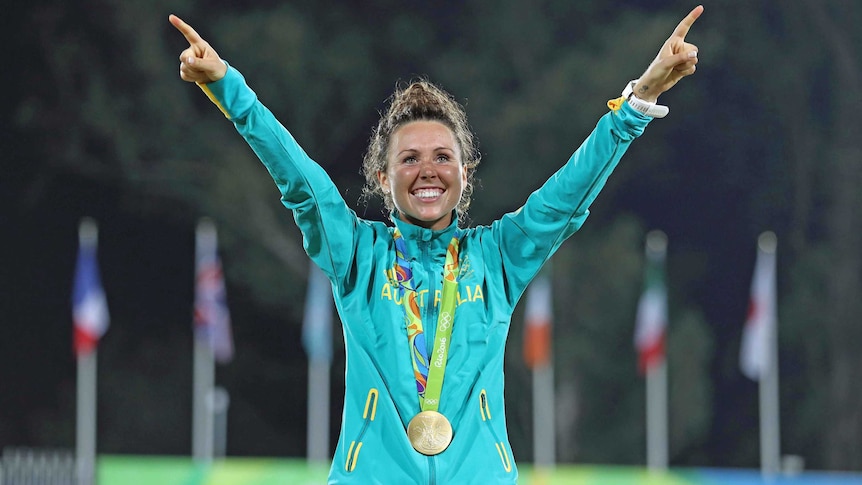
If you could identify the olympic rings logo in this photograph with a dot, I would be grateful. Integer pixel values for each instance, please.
(445, 320)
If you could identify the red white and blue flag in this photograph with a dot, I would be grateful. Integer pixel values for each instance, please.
(89, 305)
(652, 314)
(538, 316)
(211, 315)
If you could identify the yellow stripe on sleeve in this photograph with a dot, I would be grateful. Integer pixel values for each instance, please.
(212, 98)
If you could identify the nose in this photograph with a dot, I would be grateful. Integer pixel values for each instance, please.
(427, 169)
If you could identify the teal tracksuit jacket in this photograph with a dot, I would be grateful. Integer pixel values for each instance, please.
(497, 263)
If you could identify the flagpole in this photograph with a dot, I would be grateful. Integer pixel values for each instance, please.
(538, 320)
(203, 370)
(202, 416)
(770, 434)
(318, 411)
(85, 435)
(657, 417)
(656, 374)
(317, 341)
(220, 403)
(85, 432)
(543, 416)
(770, 428)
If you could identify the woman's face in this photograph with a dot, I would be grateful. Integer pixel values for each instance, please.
(424, 173)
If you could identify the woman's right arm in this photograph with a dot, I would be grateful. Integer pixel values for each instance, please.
(306, 189)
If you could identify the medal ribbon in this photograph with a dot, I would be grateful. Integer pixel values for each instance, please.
(428, 369)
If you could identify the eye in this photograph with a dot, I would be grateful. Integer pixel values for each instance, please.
(442, 158)
(409, 160)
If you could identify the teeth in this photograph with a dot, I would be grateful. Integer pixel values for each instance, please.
(428, 193)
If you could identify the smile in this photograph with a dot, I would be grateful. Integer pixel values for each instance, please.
(428, 193)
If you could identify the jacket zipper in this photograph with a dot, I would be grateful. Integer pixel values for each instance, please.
(429, 322)
(432, 470)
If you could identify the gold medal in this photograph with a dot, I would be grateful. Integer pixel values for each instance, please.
(429, 432)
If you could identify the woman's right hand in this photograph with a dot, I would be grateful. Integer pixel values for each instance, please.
(199, 63)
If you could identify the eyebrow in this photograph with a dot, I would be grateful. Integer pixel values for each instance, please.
(413, 150)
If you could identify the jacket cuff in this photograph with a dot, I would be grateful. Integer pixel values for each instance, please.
(230, 94)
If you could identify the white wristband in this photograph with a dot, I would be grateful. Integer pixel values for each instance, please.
(648, 108)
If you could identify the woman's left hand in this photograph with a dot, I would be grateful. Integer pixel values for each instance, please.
(675, 60)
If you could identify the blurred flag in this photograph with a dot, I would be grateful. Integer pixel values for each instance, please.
(651, 319)
(760, 324)
(317, 321)
(211, 315)
(538, 316)
(89, 306)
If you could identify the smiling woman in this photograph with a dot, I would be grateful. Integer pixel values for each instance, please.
(424, 178)
(399, 288)
(448, 137)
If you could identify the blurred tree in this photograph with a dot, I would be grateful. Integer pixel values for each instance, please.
(796, 64)
(839, 27)
(599, 276)
(597, 344)
(121, 119)
(798, 61)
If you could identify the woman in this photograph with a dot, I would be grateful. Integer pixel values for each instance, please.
(424, 298)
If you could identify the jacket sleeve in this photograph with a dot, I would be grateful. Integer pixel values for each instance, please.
(306, 189)
(529, 236)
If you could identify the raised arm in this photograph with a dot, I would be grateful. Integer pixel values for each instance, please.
(327, 224)
(199, 63)
(675, 60)
(527, 237)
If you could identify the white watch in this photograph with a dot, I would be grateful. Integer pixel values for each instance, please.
(646, 107)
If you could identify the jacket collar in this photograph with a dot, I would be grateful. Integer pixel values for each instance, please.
(413, 234)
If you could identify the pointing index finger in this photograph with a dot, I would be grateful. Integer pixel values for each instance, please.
(188, 32)
(686, 23)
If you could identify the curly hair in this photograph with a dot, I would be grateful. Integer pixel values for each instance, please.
(420, 100)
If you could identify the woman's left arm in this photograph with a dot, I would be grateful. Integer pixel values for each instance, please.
(527, 237)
